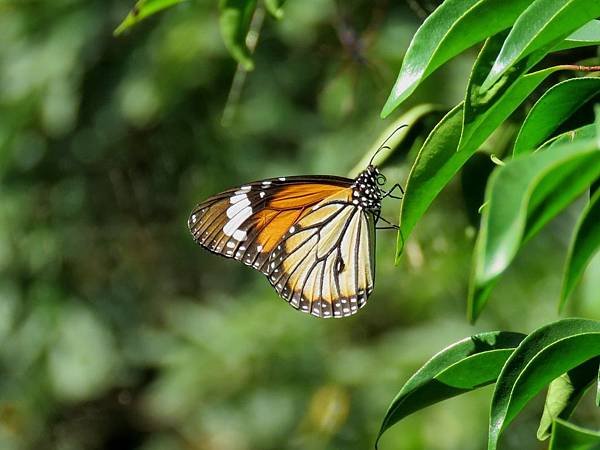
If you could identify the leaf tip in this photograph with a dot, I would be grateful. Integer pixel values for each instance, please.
(121, 28)
(492, 77)
(386, 110)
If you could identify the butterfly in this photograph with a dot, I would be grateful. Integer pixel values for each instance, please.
(312, 236)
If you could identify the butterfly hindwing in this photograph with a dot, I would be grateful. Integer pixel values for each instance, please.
(326, 266)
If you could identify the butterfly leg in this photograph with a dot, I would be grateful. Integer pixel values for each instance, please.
(389, 193)
(391, 226)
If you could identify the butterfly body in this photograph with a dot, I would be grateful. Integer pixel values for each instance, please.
(312, 236)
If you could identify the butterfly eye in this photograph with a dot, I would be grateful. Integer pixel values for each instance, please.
(381, 179)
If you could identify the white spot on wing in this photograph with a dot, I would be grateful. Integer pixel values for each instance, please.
(240, 235)
(237, 207)
(235, 222)
(237, 198)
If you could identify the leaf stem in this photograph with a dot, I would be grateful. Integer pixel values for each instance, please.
(239, 78)
(579, 68)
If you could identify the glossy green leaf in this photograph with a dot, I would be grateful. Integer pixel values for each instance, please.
(564, 393)
(143, 9)
(584, 245)
(275, 8)
(556, 105)
(438, 161)
(235, 19)
(466, 365)
(589, 34)
(453, 27)
(566, 436)
(394, 136)
(543, 356)
(522, 197)
(435, 165)
(485, 110)
(538, 28)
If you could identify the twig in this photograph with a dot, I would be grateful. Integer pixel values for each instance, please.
(578, 68)
(233, 98)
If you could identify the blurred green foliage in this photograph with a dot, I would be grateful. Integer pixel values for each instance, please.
(118, 332)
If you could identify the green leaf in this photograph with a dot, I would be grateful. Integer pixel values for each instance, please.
(394, 136)
(275, 8)
(589, 34)
(585, 243)
(143, 9)
(522, 197)
(236, 16)
(438, 161)
(566, 436)
(453, 27)
(469, 364)
(564, 393)
(556, 105)
(582, 133)
(538, 28)
(485, 110)
(543, 356)
(435, 165)
(598, 389)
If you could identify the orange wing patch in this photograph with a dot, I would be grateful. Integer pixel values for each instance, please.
(302, 195)
(288, 206)
(274, 224)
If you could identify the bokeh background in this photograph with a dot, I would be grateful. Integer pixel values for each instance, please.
(118, 332)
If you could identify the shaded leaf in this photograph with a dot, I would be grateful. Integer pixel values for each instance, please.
(143, 9)
(598, 388)
(564, 393)
(453, 27)
(538, 28)
(566, 436)
(473, 177)
(556, 105)
(466, 365)
(543, 356)
(521, 198)
(235, 19)
(585, 243)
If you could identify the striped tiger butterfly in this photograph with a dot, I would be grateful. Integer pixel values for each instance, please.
(312, 236)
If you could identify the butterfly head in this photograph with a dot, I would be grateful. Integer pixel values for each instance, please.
(366, 191)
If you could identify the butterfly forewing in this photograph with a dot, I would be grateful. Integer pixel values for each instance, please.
(308, 235)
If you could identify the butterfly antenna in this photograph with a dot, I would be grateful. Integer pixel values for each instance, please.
(385, 142)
